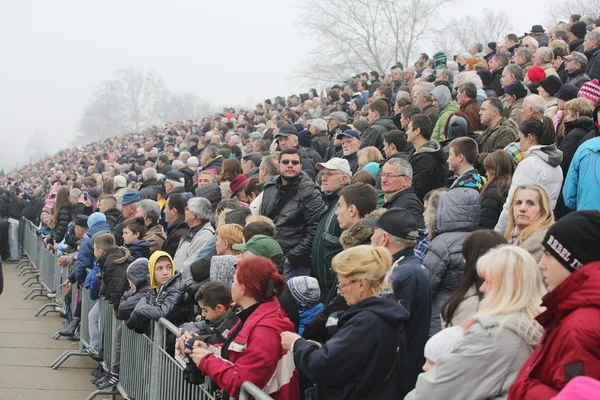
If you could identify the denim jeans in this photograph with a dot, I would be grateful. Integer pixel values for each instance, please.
(13, 238)
(117, 357)
(94, 326)
(290, 271)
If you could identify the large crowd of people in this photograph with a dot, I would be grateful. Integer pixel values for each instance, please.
(429, 232)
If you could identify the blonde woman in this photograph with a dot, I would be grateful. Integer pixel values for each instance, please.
(498, 339)
(369, 159)
(222, 265)
(530, 216)
(350, 365)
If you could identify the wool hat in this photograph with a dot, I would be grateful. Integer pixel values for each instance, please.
(536, 74)
(120, 181)
(590, 91)
(211, 192)
(486, 77)
(578, 29)
(336, 163)
(238, 183)
(304, 138)
(551, 84)
(262, 245)
(131, 197)
(442, 343)
(305, 291)
(80, 220)
(516, 89)
(372, 168)
(492, 45)
(95, 218)
(567, 92)
(439, 58)
(515, 152)
(255, 135)
(574, 240)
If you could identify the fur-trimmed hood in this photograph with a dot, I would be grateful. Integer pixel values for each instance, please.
(358, 233)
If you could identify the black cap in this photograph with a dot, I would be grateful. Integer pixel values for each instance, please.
(174, 175)
(398, 222)
(81, 220)
(256, 158)
(287, 130)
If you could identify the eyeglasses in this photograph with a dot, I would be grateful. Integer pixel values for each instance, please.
(390, 176)
(342, 287)
(286, 162)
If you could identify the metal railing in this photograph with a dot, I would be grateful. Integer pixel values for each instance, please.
(249, 389)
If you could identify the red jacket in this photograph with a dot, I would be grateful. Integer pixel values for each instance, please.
(256, 355)
(571, 344)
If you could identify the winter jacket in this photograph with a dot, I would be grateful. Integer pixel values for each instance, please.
(471, 108)
(496, 85)
(570, 346)
(457, 215)
(188, 176)
(114, 274)
(86, 259)
(92, 283)
(551, 107)
(407, 199)
(215, 165)
(113, 217)
(497, 137)
(469, 179)
(149, 189)
(189, 246)
(491, 203)
(430, 169)
(174, 233)
(533, 244)
(308, 316)
(312, 154)
(62, 222)
(542, 166)
(593, 66)
(156, 236)
(410, 282)
(326, 243)
(349, 365)
(575, 131)
(432, 112)
(352, 160)
(516, 111)
(213, 332)
(576, 45)
(254, 354)
(359, 234)
(222, 268)
(137, 273)
(373, 135)
(139, 248)
(297, 221)
(320, 143)
(488, 356)
(578, 78)
(582, 186)
(440, 124)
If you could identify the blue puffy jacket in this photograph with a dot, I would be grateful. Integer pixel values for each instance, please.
(582, 185)
(92, 283)
(86, 259)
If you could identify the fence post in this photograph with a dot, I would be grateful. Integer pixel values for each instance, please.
(155, 373)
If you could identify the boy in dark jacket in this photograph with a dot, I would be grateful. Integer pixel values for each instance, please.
(134, 230)
(463, 153)
(113, 262)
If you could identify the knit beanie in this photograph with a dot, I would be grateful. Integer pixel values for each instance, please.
(516, 89)
(492, 45)
(372, 168)
(567, 92)
(304, 138)
(439, 59)
(578, 29)
(590, 91)
(211, 192)
(442, 343)
(486, 77)
(305, 291)
(536, 74)
(95, 218)
(551, 84)
(574, 240)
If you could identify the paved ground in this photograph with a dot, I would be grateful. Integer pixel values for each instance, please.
(27, 350)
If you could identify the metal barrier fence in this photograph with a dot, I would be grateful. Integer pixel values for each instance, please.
(250, 389)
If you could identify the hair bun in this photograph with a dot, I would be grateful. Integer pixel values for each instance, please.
(384, 260)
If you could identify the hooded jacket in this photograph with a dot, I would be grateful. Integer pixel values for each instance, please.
(359, 234)
(156, 236)
(114, 280)
(446, 106)
(582, 186)
(174, 233)
(570, 346)
(349, 365)
(373, 135)
(137, 273)
(430, 169)
(190, 244)
(139, 248)
(85, 259)
(457, 215)
(160, 302)
(297, 221)
(542, 166)
(407, 198)
(497, 137)
(255, 355)
(489, 356)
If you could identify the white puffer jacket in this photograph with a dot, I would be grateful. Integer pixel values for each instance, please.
(540, 166)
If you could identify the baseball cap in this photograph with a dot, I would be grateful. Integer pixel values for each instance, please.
(262, 245)
(336, 163)
(398, 222)
(349, 133)
(174, 175)
(578, 57)
(287, 130)
(338, 116)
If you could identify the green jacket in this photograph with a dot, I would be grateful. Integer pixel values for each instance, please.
(504, 133)
(326, 243)
(440, 124)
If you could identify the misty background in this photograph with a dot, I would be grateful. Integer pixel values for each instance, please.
(57, 54)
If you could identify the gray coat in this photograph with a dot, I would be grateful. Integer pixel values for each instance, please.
(483, 364)
(457, 215)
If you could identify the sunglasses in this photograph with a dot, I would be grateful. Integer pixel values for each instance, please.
(286, 162)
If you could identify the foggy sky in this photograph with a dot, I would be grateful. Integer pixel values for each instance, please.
(55, 53)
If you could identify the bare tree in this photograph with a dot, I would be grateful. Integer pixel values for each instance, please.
(562, 10)
(103, 116)
(362, 35)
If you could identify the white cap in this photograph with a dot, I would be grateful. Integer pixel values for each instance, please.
(120, 181)
(443, 343)
(337, 163)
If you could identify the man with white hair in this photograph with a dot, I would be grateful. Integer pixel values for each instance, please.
(534, 106)
(320, 142)
(155, 233)
(523, 58)
(397, 81)
(197, 217)
(422, 98)
(410, 76)
(591, 49)
(543, 58)
(476, 50)
(150, 186)
(531, 44)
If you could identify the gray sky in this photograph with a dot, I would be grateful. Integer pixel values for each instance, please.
(236, 52)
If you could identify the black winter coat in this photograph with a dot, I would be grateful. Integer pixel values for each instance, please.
(149, 189)
(114, 217)
(33, 210)
(137, 272)
(174, 232)
(593, 65)
(408, 199)
(430, 170)
(353, 161)
(188, 176)
(297, 221)
(320, 143)
(349, 365)
(496, 86)
(373, 135)
(114, 275)
(62, 223)
(575, 131)
(491, 206)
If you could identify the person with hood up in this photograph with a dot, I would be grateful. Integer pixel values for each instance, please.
(541, 164)
(457, 126)
(380, 124)
(442, 99)
(348, 365)
(428, 162)
(497, 340)
(456, 216)
(570, 345)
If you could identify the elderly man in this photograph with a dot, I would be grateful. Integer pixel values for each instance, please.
(336, 124)
(591, 49)
(335, 174)
(523, 58)
(397, 81)
(120, 185)
(422, 98)
(350, 144)
(129, 207)
(497, 65)
(575, 64)
(150, 186)
(534, 106)
(467, 99)
(251, 162)
(320, 142)
(211, 160)
(268, 168)
(197, 216)
(155, 233)
(206, 177)
(531, 44)
(512, 73)
(188, 174)
(396, 183)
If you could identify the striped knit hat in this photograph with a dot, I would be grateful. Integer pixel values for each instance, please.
(590, 91)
